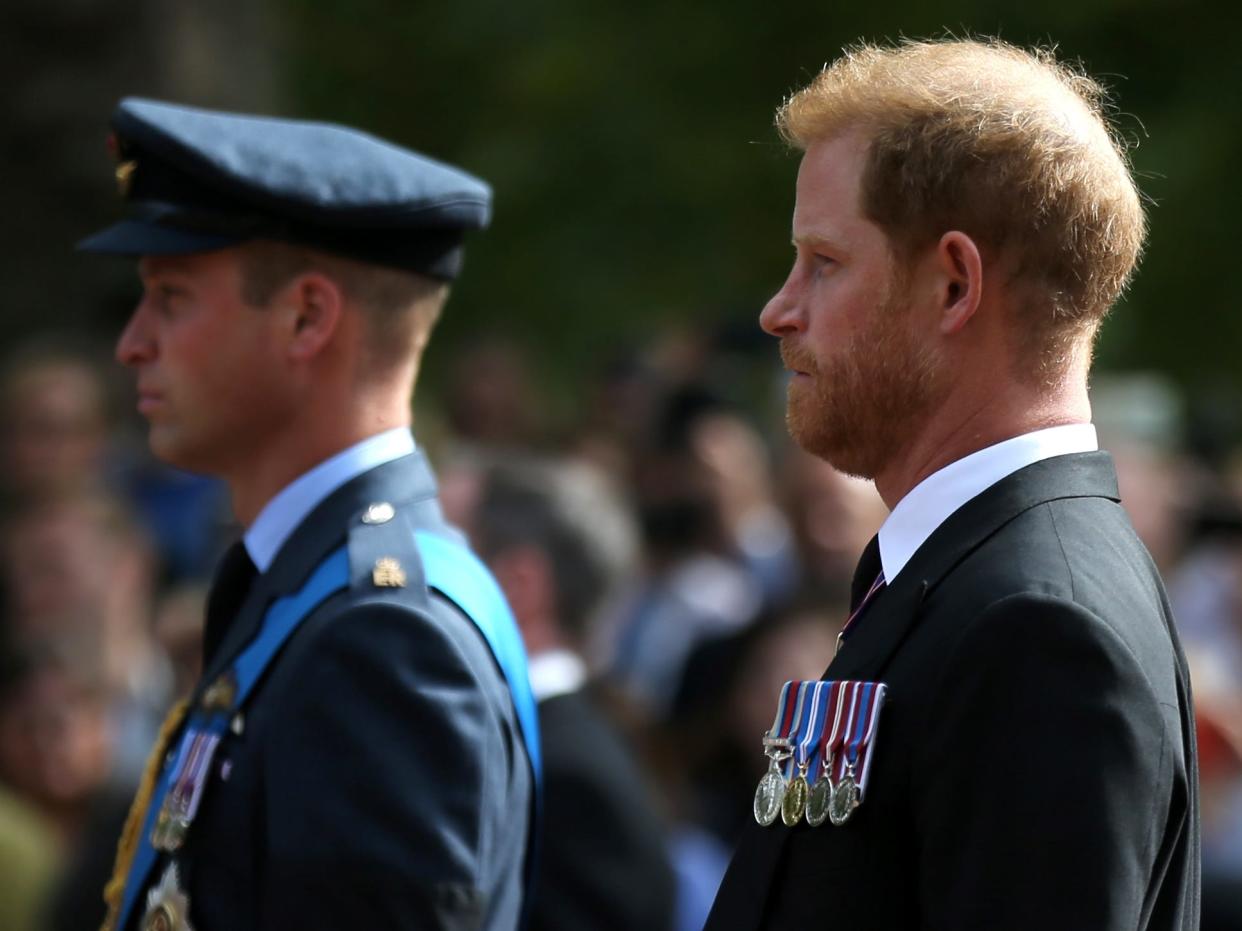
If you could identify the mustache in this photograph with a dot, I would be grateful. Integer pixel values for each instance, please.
(796, 358)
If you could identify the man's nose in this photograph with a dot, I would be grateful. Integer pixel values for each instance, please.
(782, 314)
(134, 346)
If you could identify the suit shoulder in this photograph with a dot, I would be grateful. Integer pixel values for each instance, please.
(1082, 550)
(1068, 568)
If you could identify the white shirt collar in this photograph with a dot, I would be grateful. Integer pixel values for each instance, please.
(929, 503)
(282, 515)
(556, 672)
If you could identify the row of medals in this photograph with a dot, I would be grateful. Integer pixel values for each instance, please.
(168, 907)
(794, 799)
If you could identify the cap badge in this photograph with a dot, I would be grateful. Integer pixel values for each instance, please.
(125, 176)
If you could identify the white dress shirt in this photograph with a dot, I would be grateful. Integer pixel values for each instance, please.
(555, 672)
(282, 515)
(931, 501)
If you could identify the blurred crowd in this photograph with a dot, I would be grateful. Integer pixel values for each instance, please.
(669, 554)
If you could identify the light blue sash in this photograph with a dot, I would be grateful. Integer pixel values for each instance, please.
(451, 569)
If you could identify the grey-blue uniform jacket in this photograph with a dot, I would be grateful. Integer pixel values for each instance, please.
(380, 778)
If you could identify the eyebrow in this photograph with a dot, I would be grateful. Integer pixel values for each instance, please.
(812, 240)
(163, 266)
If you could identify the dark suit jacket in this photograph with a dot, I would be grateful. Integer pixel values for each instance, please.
(603, 865)
(380, 780)
(1034, 766)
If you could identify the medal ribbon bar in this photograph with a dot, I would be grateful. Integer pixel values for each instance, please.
(853, 751)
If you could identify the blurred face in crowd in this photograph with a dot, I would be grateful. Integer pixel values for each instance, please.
(861, 376)
(207, 373)
(55, 426)
(73, 564)
(55, 739)
(57, 566)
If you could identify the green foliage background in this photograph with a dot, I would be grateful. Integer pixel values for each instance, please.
(639, 183)
(638, 179)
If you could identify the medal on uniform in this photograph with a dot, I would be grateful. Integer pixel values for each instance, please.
(794, 803)
(806, 743)
(861, 719)
(778, 747)
(844, 799)
(771, 791)
(168, 907)
(820, 796)
(185, 792)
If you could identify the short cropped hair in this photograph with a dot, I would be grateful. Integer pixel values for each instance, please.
(401, 306)
(571, 512)
(1010, 146)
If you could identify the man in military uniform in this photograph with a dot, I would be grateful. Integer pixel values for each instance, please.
(361, 750)
(964, 220)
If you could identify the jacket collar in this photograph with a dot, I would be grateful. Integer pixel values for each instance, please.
(407, 481)
(1079, 475)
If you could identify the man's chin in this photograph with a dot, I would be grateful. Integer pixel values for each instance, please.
(836, 449)
(169, 447)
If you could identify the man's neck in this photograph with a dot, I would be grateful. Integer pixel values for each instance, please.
(297, 450)
(957, 430)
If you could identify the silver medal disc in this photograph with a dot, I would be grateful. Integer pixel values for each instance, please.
(818, 802)
(768, 797)
(844, 801)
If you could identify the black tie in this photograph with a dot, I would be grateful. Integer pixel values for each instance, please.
(868, 569)
(234, 576)
(868, 582)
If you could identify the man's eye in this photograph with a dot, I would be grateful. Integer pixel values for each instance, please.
(164, 296)
(170, 294)
(822, 263)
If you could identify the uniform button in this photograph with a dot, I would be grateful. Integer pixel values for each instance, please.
(380, 513)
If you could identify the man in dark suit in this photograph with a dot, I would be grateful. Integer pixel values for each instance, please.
(559, 543)
(964, 220)
(361, 749)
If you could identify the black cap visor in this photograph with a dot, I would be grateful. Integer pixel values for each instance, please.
(144, 237)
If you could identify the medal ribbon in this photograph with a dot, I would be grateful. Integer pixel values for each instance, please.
(863, 766)
(806, 711)
(820, 692)
(784, 712)
(796, 719)
(198, 748)
(862, 719)
(835, 708)
(849, 699)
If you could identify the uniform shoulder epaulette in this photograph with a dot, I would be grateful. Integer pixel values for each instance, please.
(383, 552)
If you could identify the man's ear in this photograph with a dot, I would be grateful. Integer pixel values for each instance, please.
(961, 274)
(312, 305)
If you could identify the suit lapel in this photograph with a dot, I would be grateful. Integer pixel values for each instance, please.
(403, 480)
(891, 616)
